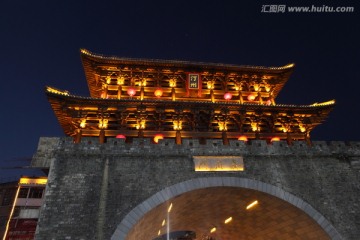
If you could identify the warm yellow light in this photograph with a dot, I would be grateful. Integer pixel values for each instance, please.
(103, 123)
(210, 84)
(228, 220)
(218, 163)
(159, 232)
(177, 124)
(252, 204)
(158, 137)
(142, 82)
(158, 92)
(251, 97)
(267, 88)
(238, 87)
(120, 80)
(256, 87)
(254, 127)
(27, 181)
(302, 128)
(213, 230)
(140, 124)
(108, 80)
(172, 82)
(83, 123)
(163, 223)
(170, 207)
(222, 126)
(243, 138)
(324, 103)
(275, 139)
(11, 212)
(54, 90)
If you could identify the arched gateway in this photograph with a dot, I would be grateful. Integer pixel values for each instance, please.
(205, 203)
(208, 138)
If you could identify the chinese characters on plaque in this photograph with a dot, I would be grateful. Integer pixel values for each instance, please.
(194, 81)
(218, 163)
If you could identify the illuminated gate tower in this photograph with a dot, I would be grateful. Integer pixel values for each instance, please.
(132, 98)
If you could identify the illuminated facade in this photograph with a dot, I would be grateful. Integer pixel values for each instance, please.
(7, 196)
(132, 98)
(22, 217)
(230, 162)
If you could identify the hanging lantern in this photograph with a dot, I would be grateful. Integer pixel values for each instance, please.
(275, 139)
(120, 136)
(251, 97)
(131, 91)
(227, 96)
(243, 138)
(268, 102)
(158, 92)
(157, 137)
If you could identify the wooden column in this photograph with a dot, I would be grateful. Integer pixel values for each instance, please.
(307, 139)
(178, 137)
(105, 91)
(212, 95)
(288, 138)
(272, 99)
(241, 99)
(142, 93)
(102, 136)
(225, 138)
(260, 98)
(78, 136)
(173, 94)
(119, 92)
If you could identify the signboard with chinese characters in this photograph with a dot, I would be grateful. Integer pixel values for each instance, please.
(193, 81)
(32, 181)
(218, 163)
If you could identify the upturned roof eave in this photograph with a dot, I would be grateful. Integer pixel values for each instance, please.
(65, 96)
(99, 58)
(90, 60)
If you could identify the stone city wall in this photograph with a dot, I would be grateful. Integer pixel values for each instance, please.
(93, 186)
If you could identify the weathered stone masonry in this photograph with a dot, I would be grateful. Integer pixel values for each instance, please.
(95, 186)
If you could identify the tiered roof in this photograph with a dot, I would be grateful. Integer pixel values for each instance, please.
(193, 100)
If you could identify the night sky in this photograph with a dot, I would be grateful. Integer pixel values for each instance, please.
(40, 45)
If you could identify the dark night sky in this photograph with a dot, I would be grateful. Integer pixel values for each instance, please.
(40, 42)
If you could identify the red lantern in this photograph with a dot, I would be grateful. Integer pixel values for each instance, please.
(227, 96)
(120, 136)
(268, 102)
(131, 91)
(158, 92)
(251, 97)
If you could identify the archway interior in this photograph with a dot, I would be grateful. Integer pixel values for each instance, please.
(203, 210)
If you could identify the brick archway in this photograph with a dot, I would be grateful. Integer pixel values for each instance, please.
(168, 193)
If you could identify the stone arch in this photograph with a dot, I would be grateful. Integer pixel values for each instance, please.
(199, 183)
